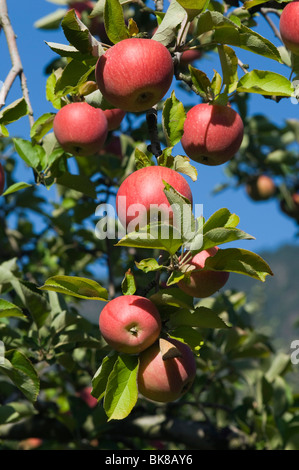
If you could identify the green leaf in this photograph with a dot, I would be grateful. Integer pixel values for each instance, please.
(227, 32)
(33, 155)
(181, 163)
(80, 183)
(154, 236)
(76, 287)
(200, 80)
(148, 265)
(173, 297)
(22, 373)
(73, 75)
(220, 235)
(192, 7)
(42, 126)
(13, 112)
(128, 284)
(65, 50)
(167, 30)
(78, 34)
(188, 335)
(121, 391)
(141, 159)
(16, 187)
(229, 65)
(33, 300)
(100, 379)
(15, 411)
(239, 261)
(114, 21)
(265, 82)
(221, 218)
(173, 118)
(201, 317)
(50, 21)
(7, 309)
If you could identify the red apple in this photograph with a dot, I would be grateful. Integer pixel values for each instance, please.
(293, 209)
(166, 380)
(113, 146)
(135, 74)
(212, 133)
(86, 396)
(114, 118)
(288, 26)
(203, 283)
(190, 56)
(141, 199)
(80, 129)
(2, 179)
(79, 7)
(130, 323)
(261, 188)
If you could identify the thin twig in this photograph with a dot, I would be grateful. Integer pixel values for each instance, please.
(17, 67)
(274, 28)
(152, 118)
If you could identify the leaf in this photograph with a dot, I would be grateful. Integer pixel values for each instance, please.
(7, 309)
(34, 301)
(188, 335)
(239, 261)
(200, 80)
(128, 284)
(167, 30)
(51, 21)
(265, 82)
(220, 235)
(172, 296)
(148, 265)
(229, 65)
(181, 163)
(141, 159)
(16, 187)
(201, 317)
(193, 7)
(73, 75)
(78, 34)
(221, 218)
(80, 183)
(227, 32)
(100, 379)
(22, 373)
(33, 155)
(76, 287)
(15, 411)
(168, 350)
(42, 126)
(154, 236)
(121, 391)
(65, 50)
(173, 118)
(114, 21)
(13, 112)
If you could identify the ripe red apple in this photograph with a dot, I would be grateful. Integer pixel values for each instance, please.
(130, 323)
(141, 194)
(203, 283)
(80, 128)
(288, 26)
(86, 396)
(212, 133)
(2, 178)
(114, 118)
(190, 56)
(261, 188)
(135, 74)
(166, 380)
(113, 146)
(293, 210)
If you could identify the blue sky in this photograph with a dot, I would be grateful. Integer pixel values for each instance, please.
(264, 221)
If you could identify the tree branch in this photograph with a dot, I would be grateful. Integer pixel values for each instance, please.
(151, 119)
(17, 67)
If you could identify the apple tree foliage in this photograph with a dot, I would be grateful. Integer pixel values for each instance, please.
(56, 275)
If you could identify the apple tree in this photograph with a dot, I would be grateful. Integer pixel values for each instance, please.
(117, 329)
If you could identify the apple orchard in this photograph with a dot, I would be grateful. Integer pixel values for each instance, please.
(173, 360)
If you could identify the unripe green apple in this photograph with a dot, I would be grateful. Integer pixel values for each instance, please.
(166, 380)
(80, 129)
(203, 283)
(141, 194)
(212, 133)
(288, 26)
(130, 323)
(261, 188)
(135, 74)
(114, 118)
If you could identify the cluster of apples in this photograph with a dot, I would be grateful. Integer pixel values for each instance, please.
(134, 75)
